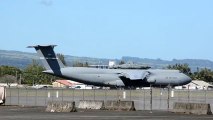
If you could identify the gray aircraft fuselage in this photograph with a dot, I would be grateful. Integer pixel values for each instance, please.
(109, 77)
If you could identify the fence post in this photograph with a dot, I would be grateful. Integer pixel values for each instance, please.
(144, 99)
(5, 95)
(105, 94)
(57, 94)
(130, 92)
(178, 95)
(205, 94)
(73, 94)
(160, 97)
(62, 94)
(150, 98)
(26, 96)
(168, 98)
(94, 93)
(18, 96)
(117, 94)
(10, 96)
(83, 94)
(188, 94)
(46, 96)
(52, 94)
(36, 97)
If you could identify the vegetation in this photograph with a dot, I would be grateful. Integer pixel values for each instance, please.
(22, 60)
(8, 79)
(201, 74)
(32, 74)
(184, 68)
(121, 62)
(80, 64)
(61, 57)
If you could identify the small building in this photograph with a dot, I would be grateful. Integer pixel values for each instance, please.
(198, 84)
(70, 84)
(62, 84)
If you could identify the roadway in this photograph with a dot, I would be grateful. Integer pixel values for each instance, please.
(38, 113)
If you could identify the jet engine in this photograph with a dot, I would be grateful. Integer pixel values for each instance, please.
(151, 79)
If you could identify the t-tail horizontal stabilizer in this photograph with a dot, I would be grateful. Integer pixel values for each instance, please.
(48, 57)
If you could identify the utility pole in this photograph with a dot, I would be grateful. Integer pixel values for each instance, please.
(150, 98)
(17, 76)
(20, 79)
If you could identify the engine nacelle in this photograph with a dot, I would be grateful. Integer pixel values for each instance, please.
(151, 80)
(115, 83)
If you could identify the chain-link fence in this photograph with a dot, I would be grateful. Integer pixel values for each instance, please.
(144, 99)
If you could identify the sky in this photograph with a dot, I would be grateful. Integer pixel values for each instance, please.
(157, 29)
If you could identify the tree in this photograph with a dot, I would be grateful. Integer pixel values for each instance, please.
(33, 74)
(86, 64)
(8, 79)
(61, 57)
(121, 62)
(80, 64)
(204, 74)
(9, 70)
(182, 67)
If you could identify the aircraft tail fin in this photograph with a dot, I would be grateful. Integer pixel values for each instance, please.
(48, 57)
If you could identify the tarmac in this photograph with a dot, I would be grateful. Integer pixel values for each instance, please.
(38, 113)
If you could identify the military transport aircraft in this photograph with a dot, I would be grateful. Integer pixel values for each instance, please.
(109, 77)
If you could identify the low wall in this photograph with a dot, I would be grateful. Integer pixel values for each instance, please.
(120, 105)
(192, 108)
(2, 95)
(59, 106)
(91, 104)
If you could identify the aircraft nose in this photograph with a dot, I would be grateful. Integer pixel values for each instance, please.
(186, 79)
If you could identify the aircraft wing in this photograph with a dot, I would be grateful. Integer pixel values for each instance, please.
(134, 75)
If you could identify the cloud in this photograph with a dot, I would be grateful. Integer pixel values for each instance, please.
(47, 2)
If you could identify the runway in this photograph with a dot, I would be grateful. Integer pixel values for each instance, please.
(38, 113)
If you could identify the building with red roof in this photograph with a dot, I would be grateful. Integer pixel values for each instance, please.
(62, 83)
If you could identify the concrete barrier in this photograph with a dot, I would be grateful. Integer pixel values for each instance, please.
(192, 108)
(2, 95)
(91, 104)
(57, 106)
(120, 105)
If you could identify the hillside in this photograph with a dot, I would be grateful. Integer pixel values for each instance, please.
(22, 59)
